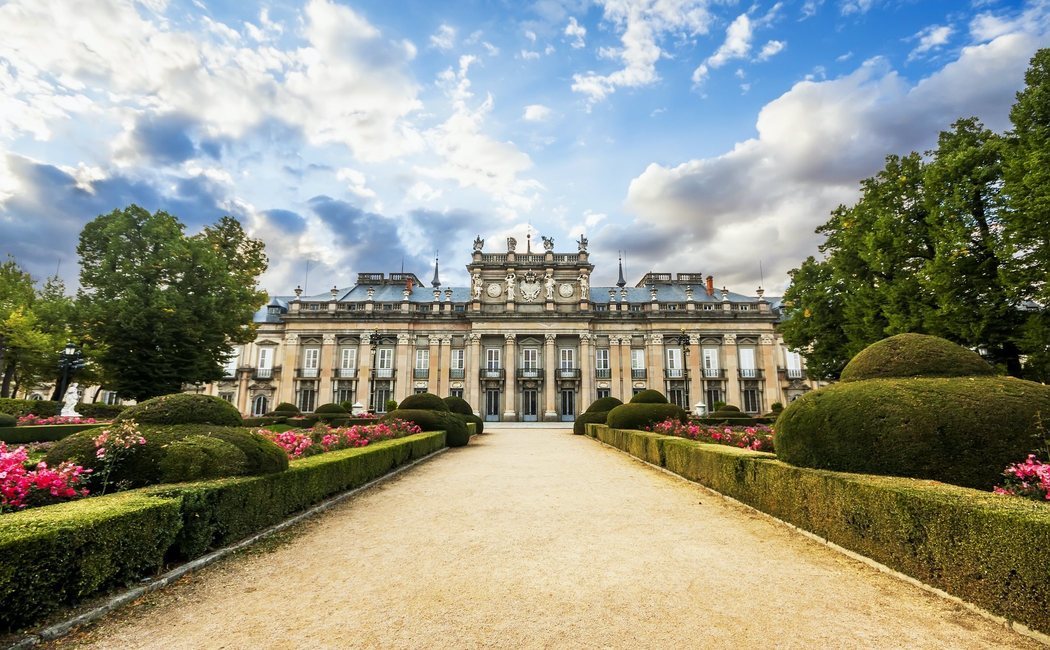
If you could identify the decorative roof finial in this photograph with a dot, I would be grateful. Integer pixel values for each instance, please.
(436, 282)
(621, 282)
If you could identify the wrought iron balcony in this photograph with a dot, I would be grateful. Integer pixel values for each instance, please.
(638, 373)
(602, 373)
(751, 373)
(568, 373)
(492, 373)
(457, 373)
(530, 373)
(420, 373)
(795, 373)
(307, 373)
(383, 373)
(714, 373)
(674, 373)
(346, 373)
(263, 373)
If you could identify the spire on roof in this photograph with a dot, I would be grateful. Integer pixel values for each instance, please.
(621, 282)
(436, 282)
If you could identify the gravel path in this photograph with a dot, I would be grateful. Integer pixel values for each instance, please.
(538, 538)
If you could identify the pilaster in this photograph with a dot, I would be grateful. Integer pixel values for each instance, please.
(472, 363)
(403, 376)
(445, 362)
(289, 359)
(615, 378)
(655, 362)
(695, 371)
(771, 379)
(434, 376)
(362, 389)
(509, 368)
(586, 373)
(732, 366)
(550, 414)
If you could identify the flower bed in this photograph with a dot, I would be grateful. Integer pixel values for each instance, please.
(298, 443)
(1029, 479)
(22, 487)
(35, 420)
(755, 438)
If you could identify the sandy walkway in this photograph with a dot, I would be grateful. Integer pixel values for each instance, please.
(538, 538)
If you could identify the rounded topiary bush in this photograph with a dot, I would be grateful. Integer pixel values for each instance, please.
(286, 407)
(589, 417)
(143, 465)
(330, 408)
(726, 408)
(962, 431)
(183, 408)
(332, 413)
(453, 424)
(649, 396)
(425, 401)
(638, 416)
(605, 404)
(462, 407)
(196, 458)
(730, 415)
(914, 355)
(7, 420)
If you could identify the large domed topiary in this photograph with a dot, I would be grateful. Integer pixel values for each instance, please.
(453, 424)
(960, 429)
(462, 407)
(596, 413)
(424, 401)
(649, 396)
(183, 408)
(603, 404)
(914, 355)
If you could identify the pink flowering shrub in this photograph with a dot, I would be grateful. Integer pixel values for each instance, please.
(757, 438)
(115, 443)
(298, 443)
(21, 487)
(1030, 479)
(36, 420)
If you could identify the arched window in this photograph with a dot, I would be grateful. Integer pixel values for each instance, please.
(259, 405)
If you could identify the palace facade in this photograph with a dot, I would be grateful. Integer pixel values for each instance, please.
(530, 340)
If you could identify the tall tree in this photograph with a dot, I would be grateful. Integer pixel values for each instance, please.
(814, 305)
(166, 306)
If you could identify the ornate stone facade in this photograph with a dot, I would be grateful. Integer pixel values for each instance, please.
(529, 339)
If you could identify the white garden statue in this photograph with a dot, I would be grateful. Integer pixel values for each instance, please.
(69, 402)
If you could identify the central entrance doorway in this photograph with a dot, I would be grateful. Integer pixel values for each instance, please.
(567, 402)
(529, 405)
(492, 404)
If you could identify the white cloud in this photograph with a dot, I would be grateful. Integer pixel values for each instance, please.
(536, 113)
(810, 8)
(490, 48)
(530, 55)
(577, 33)
(356, 183)
(856, 6)
(642, 23)
(842, 58)
(444, 38)
(771, 49)
(737, 45)
(814, 144)
(930, 38)
(531, 35)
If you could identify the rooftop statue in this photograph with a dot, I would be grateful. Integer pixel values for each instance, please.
(479, 243)
(512, 244)
(548, 243)
(582, 241)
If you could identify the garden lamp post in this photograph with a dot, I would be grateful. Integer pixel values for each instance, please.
(69, 361)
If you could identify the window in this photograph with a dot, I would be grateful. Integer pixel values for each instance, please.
(110, 398)
(492, 359)
(422, 359)
(747, 363)
(568, 358)
(674, 363)
(743, 307)
(307, 399)
(671, 307)
(265, 367)
(794, 364)
(348, 358)
(230, 367)
(676, 396)
(530, 358)
(714, 396)
(456, 392)
(384, 363)
(711, 362)
(601, 359)
(708, 306)
(420, 391)
(344, 392)
(228, 397)
(259, 405)
(311, 357)
(751, 397)
(458, 359)
(603, 392)
(637, 359)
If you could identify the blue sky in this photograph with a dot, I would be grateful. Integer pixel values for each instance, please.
(697, 135)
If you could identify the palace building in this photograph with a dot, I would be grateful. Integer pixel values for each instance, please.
(529, 340)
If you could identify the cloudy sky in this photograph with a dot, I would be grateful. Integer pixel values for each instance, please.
(359, 135)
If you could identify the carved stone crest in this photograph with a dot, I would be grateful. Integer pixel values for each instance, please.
(530, 287)
(565, 290)
(548, 243)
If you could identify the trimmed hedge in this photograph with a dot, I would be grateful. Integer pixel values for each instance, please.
(603, 404)
(304, 422)
(453, 424)
(649, 396)
(637, 416)
(196, 458)
(331, 407)
(60, 554)
(462, 406)
(424, 401)
(263, 421)
(958, 431)
(143, 466)
(99, 410)
(56, 555)
(286, 408)
(7, 420)
(183, 408)
(42, 432)
(914, 355)
(20, 407)
(579, 427)
(987, 549)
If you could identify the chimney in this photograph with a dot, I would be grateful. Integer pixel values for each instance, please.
(408, 285)
(710, 286)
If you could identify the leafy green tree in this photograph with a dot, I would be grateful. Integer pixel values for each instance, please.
(165, 306)
(814, 305)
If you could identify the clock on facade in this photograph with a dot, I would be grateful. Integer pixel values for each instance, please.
(494, 289)
(565, 290)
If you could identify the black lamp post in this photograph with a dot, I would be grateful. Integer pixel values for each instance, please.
(69, 361)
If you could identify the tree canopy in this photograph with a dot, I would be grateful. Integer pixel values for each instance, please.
(166, 306)
(955, 243)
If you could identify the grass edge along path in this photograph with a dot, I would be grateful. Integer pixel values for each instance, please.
(986, 551)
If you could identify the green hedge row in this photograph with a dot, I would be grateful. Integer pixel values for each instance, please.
(20, 407)
(58, 555)
(43, 432)
(989, 550)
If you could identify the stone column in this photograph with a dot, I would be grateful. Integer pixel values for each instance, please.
(289, 360)
(586, 373)
(627, 383)
(655, 362)
(445, 362)
(472, 378)
(433, 379)
(695, 367)
(550, 414)
(768, 362)
(364, 371)
(509, 367)
(732, 365)
(325, 370)
(615, 380)
(242, 391)
(403, 381)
